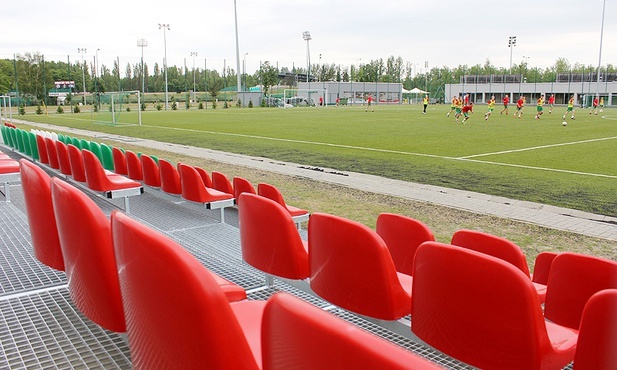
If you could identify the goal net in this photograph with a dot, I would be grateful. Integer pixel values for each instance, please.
(117, 108)
(305, 97)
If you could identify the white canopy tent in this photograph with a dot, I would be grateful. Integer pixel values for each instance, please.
(414, 91)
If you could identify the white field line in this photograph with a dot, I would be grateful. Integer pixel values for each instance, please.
(398, 152)
(538, 147)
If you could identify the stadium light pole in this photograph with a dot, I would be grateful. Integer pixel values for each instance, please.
(238, 81)
(96, 80)
(600, 54)
(244, 69)
(142, 43)
(194, 54)
(511, 45)
(358, 68)
(165, 27)
(306, 35)
(83, 71)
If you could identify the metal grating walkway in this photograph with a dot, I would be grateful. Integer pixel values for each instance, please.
(41, 328)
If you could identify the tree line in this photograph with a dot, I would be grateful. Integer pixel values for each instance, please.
(32, 76)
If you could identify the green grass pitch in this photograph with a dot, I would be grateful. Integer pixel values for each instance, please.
(541, 160)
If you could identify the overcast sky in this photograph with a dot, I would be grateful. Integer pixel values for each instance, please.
(442, 32)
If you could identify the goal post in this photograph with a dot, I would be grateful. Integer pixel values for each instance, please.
(305, 97)
(117, 108)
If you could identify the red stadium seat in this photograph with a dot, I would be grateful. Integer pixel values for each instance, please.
(483, 311)
(221, 183)
(271, 192)
(50, 145)
(9, 173)
(297, 335)
(597, 339)
(242, 185)
(177, 317)
(542, 267)
(497, 247)
(204, 177)
(133, 166)
(63, 158)
(193, 189)
(88, 256)
(573, 279)
(351, 267)
(269, 239)
(42, 148)
(119, 159)
(403, 235)
(36, 185)
(170, 178)
(151, 171)
(77, 163)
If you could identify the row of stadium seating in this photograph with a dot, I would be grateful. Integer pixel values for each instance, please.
(473, 300)
(132, 279)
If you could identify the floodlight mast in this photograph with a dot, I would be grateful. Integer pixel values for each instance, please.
(142, 43)
(165, 26)
(511, 45)
(194, 54)
(83, 71)
(306, 35)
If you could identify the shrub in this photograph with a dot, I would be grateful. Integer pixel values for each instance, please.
(128, 108)
(22, 110)
(225, 105)
(39, 110)
(76, 108)
(95, 108)
(250, 104)
(143, 106)
(159, 106)
(239, 103)
(214, 104)
(174, 106)
(201, 105)
(60, 110)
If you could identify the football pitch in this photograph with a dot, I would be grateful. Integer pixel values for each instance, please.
(538, 160)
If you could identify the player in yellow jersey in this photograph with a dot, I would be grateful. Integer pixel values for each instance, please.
(570, 108)
(601, 104)
(458, 108)
(452, 105)
(491, 107)
(425, 103)
(539, 108)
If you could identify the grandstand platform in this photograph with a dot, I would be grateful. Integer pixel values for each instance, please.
(40, 326)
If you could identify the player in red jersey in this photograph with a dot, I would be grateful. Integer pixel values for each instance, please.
(369, 101)
(505, 101)
(551, 103)
(466, 109)
(520, 104)
(594, 106)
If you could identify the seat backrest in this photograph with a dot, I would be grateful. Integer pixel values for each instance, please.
(542, 267)
(151, 171)
(177, 316)
(107, 158)
(573, 279)
(271, 192)
(269, 239)
(597, 339)
(88, 256)
(351, 267)
(298, 335)
(193, 188)
(221, 182)
(52, 155)
(477, 308)
(75, 141)
(403, 235)
(63, 158)
(492, 245)
(95, 148)
(42, 148)
(119, 161)
(170, 178)
(205, 177)
(36, 185)
(96, 178)
(133, 166)
(77, 163)
(34, 151)
(242, 185)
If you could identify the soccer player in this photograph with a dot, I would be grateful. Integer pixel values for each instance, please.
(369, 101)
(570, 108)
(520, 104)
(551, 103)
(491, 107)
(466, 109)
(539, 108)
(505, 101)
(594, 105)
(601, 104)
(452, 105)
(458, 108)
(425, 103)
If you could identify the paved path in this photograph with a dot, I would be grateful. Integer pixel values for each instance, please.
(589, 224)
